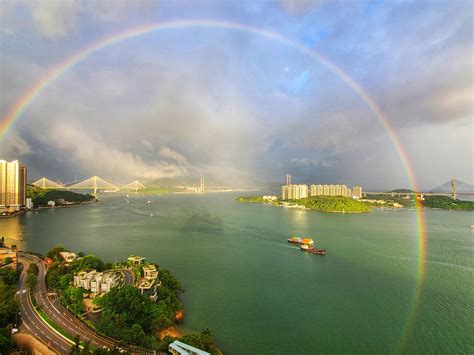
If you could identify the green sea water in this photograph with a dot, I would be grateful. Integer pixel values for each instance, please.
(259, 294)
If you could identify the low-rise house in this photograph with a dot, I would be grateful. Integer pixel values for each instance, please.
(149, 282)
(136, 260)
(179, 348)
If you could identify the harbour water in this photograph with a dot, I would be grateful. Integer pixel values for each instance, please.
(259, 294)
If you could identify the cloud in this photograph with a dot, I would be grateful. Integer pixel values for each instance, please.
(299, 7)
(56, 18)
(95, 156)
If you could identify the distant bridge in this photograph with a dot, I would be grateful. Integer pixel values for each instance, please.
(94, 183)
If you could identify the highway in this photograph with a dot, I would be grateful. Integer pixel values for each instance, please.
(34, 324)
(59, 315)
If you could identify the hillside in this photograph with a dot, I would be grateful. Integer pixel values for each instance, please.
(333, 204)
(41, 197)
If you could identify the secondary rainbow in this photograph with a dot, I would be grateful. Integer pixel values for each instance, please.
(22, 104)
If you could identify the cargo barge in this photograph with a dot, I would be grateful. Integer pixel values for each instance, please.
(313, 250)
(303, 241)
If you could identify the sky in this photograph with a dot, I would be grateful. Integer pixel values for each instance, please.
(242, 108)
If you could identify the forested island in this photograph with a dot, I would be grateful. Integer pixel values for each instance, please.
(126, 314)
(333, 204)
(338, 204)
(410, 201)
(40, 197)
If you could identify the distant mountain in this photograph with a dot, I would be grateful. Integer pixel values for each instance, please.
(402, 191)
(461, 187)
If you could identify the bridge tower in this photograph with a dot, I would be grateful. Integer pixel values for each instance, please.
(94, 181)
(453, 188)
(288, 179)
(201, 187)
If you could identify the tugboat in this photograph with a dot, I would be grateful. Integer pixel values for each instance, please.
(313, 250)
(298, 240)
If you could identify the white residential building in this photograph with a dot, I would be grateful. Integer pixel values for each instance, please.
(96, 282)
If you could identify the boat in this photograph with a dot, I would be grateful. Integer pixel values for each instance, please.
(298, 240)
(313, 250)
(149, 202)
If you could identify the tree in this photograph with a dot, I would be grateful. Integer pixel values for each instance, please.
(72, 298)
(31, 280)
(8, 304)
(6, 341)
(7, 260)
(54, 252)
(33, 269)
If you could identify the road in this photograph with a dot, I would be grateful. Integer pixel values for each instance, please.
(34, 324)
(59, 315)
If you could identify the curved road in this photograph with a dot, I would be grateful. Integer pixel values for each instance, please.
(59, 315)
(34, 324)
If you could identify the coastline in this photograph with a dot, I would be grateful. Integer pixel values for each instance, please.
(40, 208)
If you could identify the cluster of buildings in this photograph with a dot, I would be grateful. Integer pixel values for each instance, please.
(149, 283)
(13, 177)
(298, 191)
(97, 282)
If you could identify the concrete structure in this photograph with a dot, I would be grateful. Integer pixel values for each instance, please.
(357, 192)
(29, 203)
(149, 282)
(294, 192)
(270, 198)
(201, 185)
(67, 256)
(331, 190)
(136, 260)
(179, 348)
(12, 186)
(5, 255)
(96, 282)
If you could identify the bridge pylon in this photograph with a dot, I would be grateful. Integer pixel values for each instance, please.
(453, 188)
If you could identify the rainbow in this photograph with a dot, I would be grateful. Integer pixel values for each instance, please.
(25, 101)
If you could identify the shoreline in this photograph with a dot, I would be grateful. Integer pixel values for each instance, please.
(41, 208)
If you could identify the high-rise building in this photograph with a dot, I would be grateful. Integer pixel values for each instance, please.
(12, 185)
(294, 192)
(357, 191)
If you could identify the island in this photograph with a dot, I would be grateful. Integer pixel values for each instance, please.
(41, 197)
(402, 198)
(330, 204)
(337, 204)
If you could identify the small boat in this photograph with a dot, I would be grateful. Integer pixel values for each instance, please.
(149, 202)
(298, 240)
(313, 250)
(472, 226)
(151, 214)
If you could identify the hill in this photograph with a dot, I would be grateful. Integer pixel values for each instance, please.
(461, 187)
(41, 197)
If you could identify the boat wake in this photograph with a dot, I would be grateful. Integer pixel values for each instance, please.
(442, 263)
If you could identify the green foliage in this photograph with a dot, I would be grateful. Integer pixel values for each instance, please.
(8, 304)
(202, 340)
(72, 298)
(170, 282)
(40, 197)
(33, 269)
(250, 199)
(7, 260)
(54, 252)
(9, 276)
(333, 204)
(447, 203)
(31, 280)
(88, 262)
(6, 341)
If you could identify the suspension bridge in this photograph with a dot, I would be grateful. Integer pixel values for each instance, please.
(94, 183)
